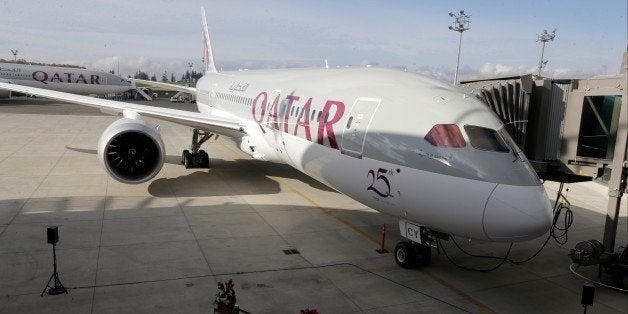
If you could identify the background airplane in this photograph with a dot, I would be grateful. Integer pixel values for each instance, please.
(401, 143)
(63, 79)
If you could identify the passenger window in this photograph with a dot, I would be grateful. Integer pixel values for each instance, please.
(485, 139)
(313, 114)
(292, 111)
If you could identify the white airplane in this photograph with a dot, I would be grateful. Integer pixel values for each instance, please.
(69, 80)
(400, 143)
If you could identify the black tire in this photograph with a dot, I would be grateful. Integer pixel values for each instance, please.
(204, 159)
(184, 155)
(404, 255)
(423, 254)
(187, 159)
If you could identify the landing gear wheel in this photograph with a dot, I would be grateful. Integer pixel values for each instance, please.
(184, 156)
(196, 157)
(404, 254)
(204, 159)
(187, 159)
(423, 254)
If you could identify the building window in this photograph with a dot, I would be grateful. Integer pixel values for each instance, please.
(598, 126)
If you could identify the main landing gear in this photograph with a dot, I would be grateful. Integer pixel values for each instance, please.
(417, 252)
(195, 158)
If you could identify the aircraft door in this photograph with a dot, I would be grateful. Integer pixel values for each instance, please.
(357, 124)
(274, 123)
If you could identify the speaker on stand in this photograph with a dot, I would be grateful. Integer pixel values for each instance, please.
(57, 288)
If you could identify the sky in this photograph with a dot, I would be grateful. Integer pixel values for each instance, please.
(157, 36)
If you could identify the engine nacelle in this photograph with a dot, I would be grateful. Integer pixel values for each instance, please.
(5, 93)
(131, 151)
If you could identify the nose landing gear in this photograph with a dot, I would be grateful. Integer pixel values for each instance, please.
(417, 252)
(411, 254)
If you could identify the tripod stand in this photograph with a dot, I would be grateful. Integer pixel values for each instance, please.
(58, 287)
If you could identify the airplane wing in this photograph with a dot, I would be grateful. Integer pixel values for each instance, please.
(179, 88)
(220, 125)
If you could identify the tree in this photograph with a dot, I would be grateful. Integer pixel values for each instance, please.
(164, 77)
(171, 77)
(153, 78)
(112, 71)
(141, 75)
(196, 75)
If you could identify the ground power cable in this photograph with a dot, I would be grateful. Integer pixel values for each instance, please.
(597, 282)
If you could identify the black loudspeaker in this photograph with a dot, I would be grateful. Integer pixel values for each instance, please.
(588, 293)
(53, 234)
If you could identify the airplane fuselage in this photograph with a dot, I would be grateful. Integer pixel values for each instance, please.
(398, 142)
(69, 80)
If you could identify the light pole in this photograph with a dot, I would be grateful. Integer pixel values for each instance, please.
(190, 73)
(543, 38)
(14, 52)
(461, 24)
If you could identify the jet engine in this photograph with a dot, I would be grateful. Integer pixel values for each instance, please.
(5, 93)
(131, 150)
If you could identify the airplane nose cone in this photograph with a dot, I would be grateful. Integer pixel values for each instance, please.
(517, 213)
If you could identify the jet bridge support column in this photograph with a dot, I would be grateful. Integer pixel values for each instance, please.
(617, 184)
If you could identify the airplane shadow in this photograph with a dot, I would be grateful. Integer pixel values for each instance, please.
(170, 159)
(231, 177)
(282, 171)
(224, 177)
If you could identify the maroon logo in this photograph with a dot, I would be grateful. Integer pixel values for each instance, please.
(330, 114)
(383, 185)
(44, 77)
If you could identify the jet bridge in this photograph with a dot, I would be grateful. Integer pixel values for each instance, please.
(569, 126)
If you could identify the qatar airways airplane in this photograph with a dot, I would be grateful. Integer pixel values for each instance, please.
(69, 80)
(400, 143)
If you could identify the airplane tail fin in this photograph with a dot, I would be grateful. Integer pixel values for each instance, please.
(208, 57)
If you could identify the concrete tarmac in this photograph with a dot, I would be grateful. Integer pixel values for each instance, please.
(287, 241)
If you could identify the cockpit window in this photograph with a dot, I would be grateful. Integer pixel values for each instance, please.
(485, 139)
(445, 135)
